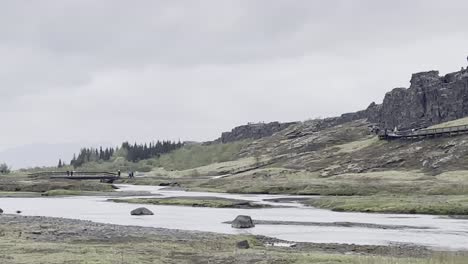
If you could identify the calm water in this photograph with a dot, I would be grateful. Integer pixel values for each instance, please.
(449, 234)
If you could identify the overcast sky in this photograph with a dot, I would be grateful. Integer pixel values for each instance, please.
(108, 71)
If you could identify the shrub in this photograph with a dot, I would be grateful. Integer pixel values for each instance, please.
(4, 169)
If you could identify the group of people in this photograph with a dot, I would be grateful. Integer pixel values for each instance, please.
(70, 173)
(131, 174)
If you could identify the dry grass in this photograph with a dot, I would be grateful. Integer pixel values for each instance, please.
(457, 122)
(14, 250)
(406, 204)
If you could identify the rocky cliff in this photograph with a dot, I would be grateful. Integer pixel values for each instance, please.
(253, 131)
(430, 99)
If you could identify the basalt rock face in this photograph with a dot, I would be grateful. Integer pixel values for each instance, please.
(431, 99)
(253, 131)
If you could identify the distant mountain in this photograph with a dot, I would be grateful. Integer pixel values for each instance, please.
(38, 155)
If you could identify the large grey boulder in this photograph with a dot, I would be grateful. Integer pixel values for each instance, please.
(1, 211)
(141, 211)
(242, 221)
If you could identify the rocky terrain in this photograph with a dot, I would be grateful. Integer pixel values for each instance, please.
(26, 239)
(352, 148)
(252, 131)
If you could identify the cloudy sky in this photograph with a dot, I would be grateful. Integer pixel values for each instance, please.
(75, 71)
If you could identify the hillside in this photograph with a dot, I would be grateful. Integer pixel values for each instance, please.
(343, 156)
(340, 156)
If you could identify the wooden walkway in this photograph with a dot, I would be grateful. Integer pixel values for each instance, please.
(425, 133)
(108, 177)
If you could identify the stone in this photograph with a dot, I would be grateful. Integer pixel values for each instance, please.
(1, 211)
(18, 212)
(141, 211)
(244, 244)
(242, 221)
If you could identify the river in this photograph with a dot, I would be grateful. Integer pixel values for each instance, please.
(442, 233)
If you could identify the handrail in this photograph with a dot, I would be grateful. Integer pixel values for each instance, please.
(426, 131)
(74, 173)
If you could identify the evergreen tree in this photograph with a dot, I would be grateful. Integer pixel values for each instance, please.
(131, 152)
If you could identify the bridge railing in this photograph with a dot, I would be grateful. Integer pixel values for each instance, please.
(442, 130)
(75, 173)
(426, 131)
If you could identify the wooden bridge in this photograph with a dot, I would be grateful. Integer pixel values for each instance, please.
(108, 177)
(425, 133)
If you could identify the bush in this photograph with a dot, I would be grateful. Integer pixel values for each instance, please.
(4, 169)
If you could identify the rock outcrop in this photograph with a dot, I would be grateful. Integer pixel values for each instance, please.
(242, 221)
(141, 211)
(430, 99)
(253, 131)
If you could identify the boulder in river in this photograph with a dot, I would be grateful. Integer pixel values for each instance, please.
(242, 221)
(141, 211)
(244, 244)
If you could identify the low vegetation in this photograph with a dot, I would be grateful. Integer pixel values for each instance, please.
(61, 192)
(457, 122)
(213, 202)
(288, 181)
(198, 155)
(406, 204)
(20, 182)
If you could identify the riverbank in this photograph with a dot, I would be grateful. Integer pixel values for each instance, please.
(26, 239)
(212, 202)
(401, 204)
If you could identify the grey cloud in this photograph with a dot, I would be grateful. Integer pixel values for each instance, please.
(121, 70)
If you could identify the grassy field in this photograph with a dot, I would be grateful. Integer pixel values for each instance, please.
(22, 183)
(192, 201)
(288, 181)
(457, 122)
(407, 204)
(194, 156)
